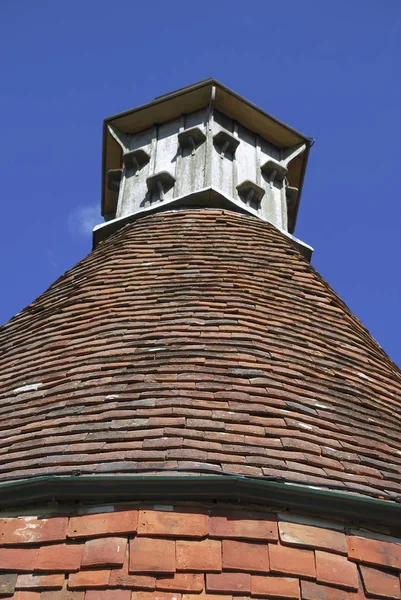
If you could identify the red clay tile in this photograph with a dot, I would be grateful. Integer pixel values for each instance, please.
(290, 443)
(315, 591)
(237, 583)
(156, 596)
(25, 595)
(18, 559)
(206, 596)
(98, 578)
(63, 594)
(275, 587)
(374, 552)
(104, 552)
(107, 523)
(336, 570)
(291, 561)
(108, 595)
(137, 582)
(245, 556)
(41, 582)
(181, 582)
(59, 557)
(173, 523)
(381, 584)
(235, 524)
(150, 555)
(203, 555)
(295, 534)
(120, 578)
(32, 531)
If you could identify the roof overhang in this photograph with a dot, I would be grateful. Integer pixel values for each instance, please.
(190, 99)
(240, 489)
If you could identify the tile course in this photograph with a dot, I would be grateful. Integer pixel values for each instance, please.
(198, 341)
(163, 562)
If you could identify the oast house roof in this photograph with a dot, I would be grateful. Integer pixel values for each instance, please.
(198, 342)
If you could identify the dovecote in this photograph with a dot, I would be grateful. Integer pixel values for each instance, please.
(201, 146)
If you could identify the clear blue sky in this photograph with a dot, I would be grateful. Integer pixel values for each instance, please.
(331, 69)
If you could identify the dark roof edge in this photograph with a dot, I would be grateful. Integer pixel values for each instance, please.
(204, 83)
(238, 489)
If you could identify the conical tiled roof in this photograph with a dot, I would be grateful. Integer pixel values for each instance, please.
(198, 341)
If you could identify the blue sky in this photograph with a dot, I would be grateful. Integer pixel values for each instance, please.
(331, 69)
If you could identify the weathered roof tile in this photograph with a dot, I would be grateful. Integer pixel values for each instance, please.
(32, 531)
(272, 586)
(233, 524)
(98, 578)
(18, 559)
(149, 555)
(59, 557)
(245, 556)
(40, 581)
(91, 525)
(104, 552)
(333, 569)
(374, 552)
(296, 534)
(173, 523)
(292, 561)
(7, 584)
(203, 555)
(236, 583)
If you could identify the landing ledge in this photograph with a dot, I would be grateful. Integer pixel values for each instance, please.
(205, 198)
